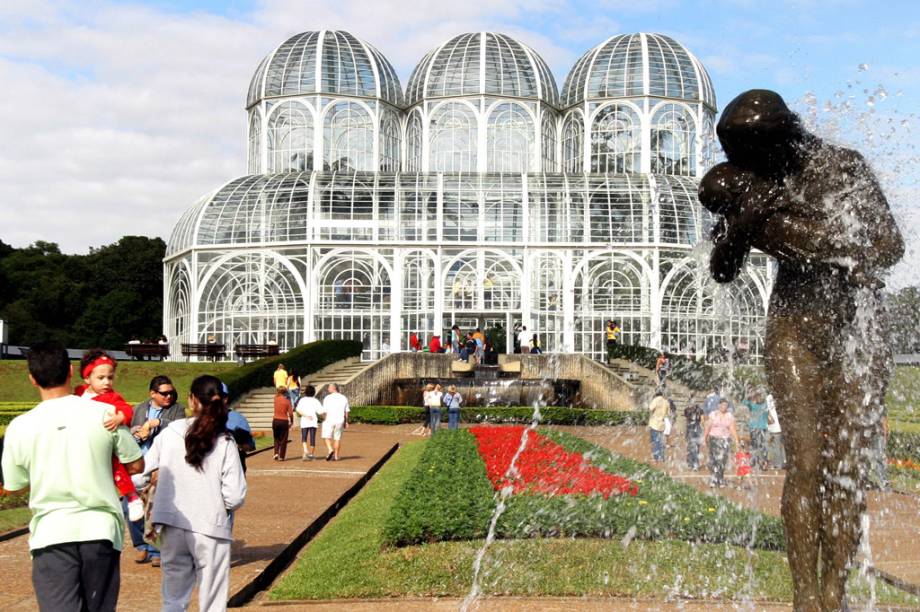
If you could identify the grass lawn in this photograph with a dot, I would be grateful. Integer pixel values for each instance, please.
(13, 518)
(131, 380)
(348, 560)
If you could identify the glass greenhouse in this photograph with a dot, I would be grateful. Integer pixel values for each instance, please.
(479, 197)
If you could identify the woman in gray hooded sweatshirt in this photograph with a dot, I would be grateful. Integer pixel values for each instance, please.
(200, 483)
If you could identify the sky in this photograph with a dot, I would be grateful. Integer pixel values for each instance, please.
(117, 116)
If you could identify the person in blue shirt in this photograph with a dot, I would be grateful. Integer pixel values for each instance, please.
(238, 427)
(757, 427)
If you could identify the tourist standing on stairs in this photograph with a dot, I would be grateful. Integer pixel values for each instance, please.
(293, 387)
(279, 378)
(612, 336)
(659, 409)
(524, 339)
(453, 401)
(282, 420)
(335, 408)
(662, 368)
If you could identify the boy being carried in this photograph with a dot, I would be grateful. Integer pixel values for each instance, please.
(98, 371)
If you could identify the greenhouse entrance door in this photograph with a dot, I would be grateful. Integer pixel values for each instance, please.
(495, 326)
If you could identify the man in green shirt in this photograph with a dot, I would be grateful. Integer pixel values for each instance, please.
(62, 451)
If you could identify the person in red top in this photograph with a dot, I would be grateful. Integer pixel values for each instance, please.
(98, 370)
(434, 345)
(414, 343)
(743, 467)
(282, 420)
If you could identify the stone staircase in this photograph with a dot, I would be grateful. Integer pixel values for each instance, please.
(647, 381)
(259, 404)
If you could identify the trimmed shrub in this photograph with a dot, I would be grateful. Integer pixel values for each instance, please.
(449, 497)
(903, 445)
(304, 359)
(550, 415)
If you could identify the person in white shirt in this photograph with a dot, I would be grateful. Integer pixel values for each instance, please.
(335, 408)
(775, 432)
(524, 338)
(308, 407)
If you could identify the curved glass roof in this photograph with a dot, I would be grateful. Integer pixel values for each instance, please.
(482, 63)
(327, 61)
(640, 64)
(274, 208)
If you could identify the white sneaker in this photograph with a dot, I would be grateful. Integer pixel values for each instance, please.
(135, 509)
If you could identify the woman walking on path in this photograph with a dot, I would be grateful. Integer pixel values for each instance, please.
(453, 400)
(308, 407)
(659, 409)
(282, 420)
(719, 433)
(196, 468)
(758, 421)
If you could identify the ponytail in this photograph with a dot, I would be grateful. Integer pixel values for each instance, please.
(210, 421)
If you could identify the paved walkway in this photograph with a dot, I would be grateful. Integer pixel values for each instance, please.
(283, 499)
(894, 528)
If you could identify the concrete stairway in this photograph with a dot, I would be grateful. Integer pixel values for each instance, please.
(259, 404)
(646, 379)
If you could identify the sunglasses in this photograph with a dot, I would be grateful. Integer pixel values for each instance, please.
(166, 393)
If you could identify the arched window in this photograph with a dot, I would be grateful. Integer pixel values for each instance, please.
(573, 142)
(290, 138)
(348, 138)
(414, 142)
(615, 140)
(453, 139)
(510, 139)
(708, 142)
(255, 141)
(179, 306)
(389, 142)
(549, 142)
(673, 141)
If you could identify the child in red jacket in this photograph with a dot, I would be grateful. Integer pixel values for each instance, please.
(98, 370)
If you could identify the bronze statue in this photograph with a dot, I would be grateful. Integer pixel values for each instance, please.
(818, 209)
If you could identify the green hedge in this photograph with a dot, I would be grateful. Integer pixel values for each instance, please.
(550, 415)
(449, 497)
(304, 359)
(902, 445)
(697, 376)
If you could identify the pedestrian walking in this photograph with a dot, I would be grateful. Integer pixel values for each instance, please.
(524, 339)
(612, 336)
(659, 409)
(293, 387)
(280, 376)
(718, 435)
(777, 451)
(199, 480)
(282, 421)
(693, 414)
(662, 368)
(453, 401)
(434, 407)
(757, 427)
(308, 407)
(335, 408)
(76, 532)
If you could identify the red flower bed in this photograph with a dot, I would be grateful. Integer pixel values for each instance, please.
(543, 466)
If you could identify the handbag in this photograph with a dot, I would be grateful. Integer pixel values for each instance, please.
(667, 426)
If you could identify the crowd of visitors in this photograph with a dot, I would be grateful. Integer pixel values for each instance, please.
(179, 475)
(713, 424)
(434, 400)
(474, 345)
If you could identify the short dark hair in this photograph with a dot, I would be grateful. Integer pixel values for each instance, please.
(158, 380)
(49, 364)
(309, 391)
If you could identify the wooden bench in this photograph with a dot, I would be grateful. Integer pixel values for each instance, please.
(146, 350)
(212, 351)
(257, 351)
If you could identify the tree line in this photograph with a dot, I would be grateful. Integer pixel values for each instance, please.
(102, 298)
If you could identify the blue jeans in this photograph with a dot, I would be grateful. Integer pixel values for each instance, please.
(136, 529)
(435, 420)
(453, 419)
(294, 394)
(694, 438)
(657, 438)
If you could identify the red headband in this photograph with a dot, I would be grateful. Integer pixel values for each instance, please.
(98, 361)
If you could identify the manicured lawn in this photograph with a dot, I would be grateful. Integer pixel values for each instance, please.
(349, 559)
(13, 518)
(131, 380)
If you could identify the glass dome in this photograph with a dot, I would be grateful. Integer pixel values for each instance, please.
(482, 63)
(349, 66)
(631, 65)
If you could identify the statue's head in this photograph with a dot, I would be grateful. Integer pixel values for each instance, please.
(760, 134)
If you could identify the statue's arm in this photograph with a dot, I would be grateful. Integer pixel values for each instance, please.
(858, 232)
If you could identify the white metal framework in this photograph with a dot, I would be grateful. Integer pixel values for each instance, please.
(482, 198)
